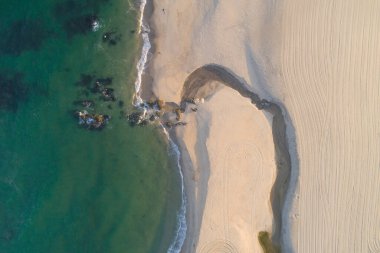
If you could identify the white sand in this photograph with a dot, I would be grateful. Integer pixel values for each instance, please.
(321, 59)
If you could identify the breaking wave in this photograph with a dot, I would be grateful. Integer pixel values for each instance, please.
(177, 243)
(180, 236)
(141, 64)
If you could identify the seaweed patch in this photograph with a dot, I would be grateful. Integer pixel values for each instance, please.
(23, 35)
(78, 18)
(81, 24)
(13, 91)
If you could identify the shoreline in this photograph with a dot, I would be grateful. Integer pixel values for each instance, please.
(144, 92)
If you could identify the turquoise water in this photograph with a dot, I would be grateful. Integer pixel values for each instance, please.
(64, 188)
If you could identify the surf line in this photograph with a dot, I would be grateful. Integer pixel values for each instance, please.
(144, 30)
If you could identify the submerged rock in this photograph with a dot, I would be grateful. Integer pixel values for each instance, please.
(135, 118)
(112, 38)
(85, 80)
(104, 81)
(85, 103)
(108, 95)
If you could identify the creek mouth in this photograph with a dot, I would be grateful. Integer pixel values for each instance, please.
(197, 86)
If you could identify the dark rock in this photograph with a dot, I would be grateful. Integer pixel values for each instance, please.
(92, 121)
(135, 118)
(152, 117)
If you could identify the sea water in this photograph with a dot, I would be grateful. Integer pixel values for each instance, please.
(65, 188)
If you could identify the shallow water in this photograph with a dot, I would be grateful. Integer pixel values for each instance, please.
(64, 188)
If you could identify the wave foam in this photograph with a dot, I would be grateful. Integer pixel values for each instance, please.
(144, 30)
(180, 236)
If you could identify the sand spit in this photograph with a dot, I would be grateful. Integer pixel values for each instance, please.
(200, 85)
(230, 172)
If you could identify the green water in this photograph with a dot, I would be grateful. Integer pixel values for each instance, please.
(64, 188)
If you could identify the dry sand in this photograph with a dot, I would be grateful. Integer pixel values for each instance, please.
(320, 60)
(329, 61)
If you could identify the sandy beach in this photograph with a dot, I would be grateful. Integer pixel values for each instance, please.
(319, 62)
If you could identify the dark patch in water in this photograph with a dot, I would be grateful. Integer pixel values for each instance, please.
(65, 8)
(78, 17)
(80, 25)
(13, 91)
(7, 234)
(23, 35)
(85, 80)
(72, 8)
(104, 81)
(111, 38)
